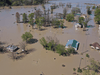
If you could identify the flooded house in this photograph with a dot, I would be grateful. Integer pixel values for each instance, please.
(95, 45)
(72, 43)
(11, 48)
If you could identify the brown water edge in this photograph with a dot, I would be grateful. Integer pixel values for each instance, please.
(42, 60)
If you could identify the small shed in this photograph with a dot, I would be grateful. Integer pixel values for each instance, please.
(11, 48)
(72, 43)
(95, 45)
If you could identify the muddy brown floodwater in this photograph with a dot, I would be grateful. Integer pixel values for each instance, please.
(42, 60)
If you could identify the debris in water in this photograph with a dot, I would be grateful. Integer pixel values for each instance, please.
(63, 65)
(54, 58)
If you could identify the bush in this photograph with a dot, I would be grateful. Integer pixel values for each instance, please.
(70, 17)
(74, 69)
(87, 55)
(79, 70)
(93, 7)
(89, 11)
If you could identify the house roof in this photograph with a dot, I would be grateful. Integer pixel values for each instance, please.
(73, 43)
(95, 45)
(11, 47)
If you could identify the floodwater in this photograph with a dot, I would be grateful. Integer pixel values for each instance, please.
(42, 60)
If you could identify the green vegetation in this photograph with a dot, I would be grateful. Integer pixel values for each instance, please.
(40, 22)
(24, 17)
(75, 10)
(94, 65)
(58, 48)
(93, 7)
(86, 72)
(56, 23)
(81, 20)
(79, 70)
(31, 20)
(74, 69)
(87, 55)
(70, 17)
(97, 15)
(20, 2)
(27, 36)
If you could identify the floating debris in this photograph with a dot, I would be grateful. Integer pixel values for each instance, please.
(54, 58)
(63, 65)
(12, 14)
(28, 11)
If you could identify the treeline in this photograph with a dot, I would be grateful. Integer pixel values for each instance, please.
(20, 2)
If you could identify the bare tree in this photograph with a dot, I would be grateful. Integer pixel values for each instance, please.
(65, 12)
(17, 17)
(38, 13)
(23, 45)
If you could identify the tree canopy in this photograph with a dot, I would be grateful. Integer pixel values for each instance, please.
(27, 36)
(97, 15)
(70, 17)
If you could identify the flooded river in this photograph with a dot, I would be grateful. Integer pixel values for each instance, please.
(42, 60)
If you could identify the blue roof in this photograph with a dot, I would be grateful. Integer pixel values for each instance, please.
(73, 43)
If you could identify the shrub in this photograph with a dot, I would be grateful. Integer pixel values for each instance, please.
(74, 69)
(93, 7)
(79, 70)
(87, 55)
(70, 17)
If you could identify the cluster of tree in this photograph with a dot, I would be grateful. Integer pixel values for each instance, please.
(20, 2)
(88, 10)
(97, 15)
(57, 23)
(27, 36)
(54, 46)
(75, 10)
(70, 17)
(93, 68)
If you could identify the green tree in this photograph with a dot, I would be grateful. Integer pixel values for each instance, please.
(31, 20)
(81, 20)
(93, 7)
(39, 22)
(24, 17)
(61, 23)
(97, 12)
(70, 17)
(86, 72)
(87, 55)
(71, 50)
(60, 49)
(97, 19)
(93, 65)
(56, 22)
(27, 36)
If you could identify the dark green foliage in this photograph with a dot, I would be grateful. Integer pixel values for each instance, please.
(24, 17)
(53, 46)
(79, 70)
(87, 55)
(71, 50)
(93, 7)
(97, 15)
(31, 20)
(81, 20)
(27, 36)
(89, 12)
(70, 17)
(39, 22)
(74, 69)
(75, 10)
(56, 23)
(20, 2)
(60, 49)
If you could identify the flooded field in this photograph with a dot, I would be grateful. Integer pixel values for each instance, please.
(41, 60)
